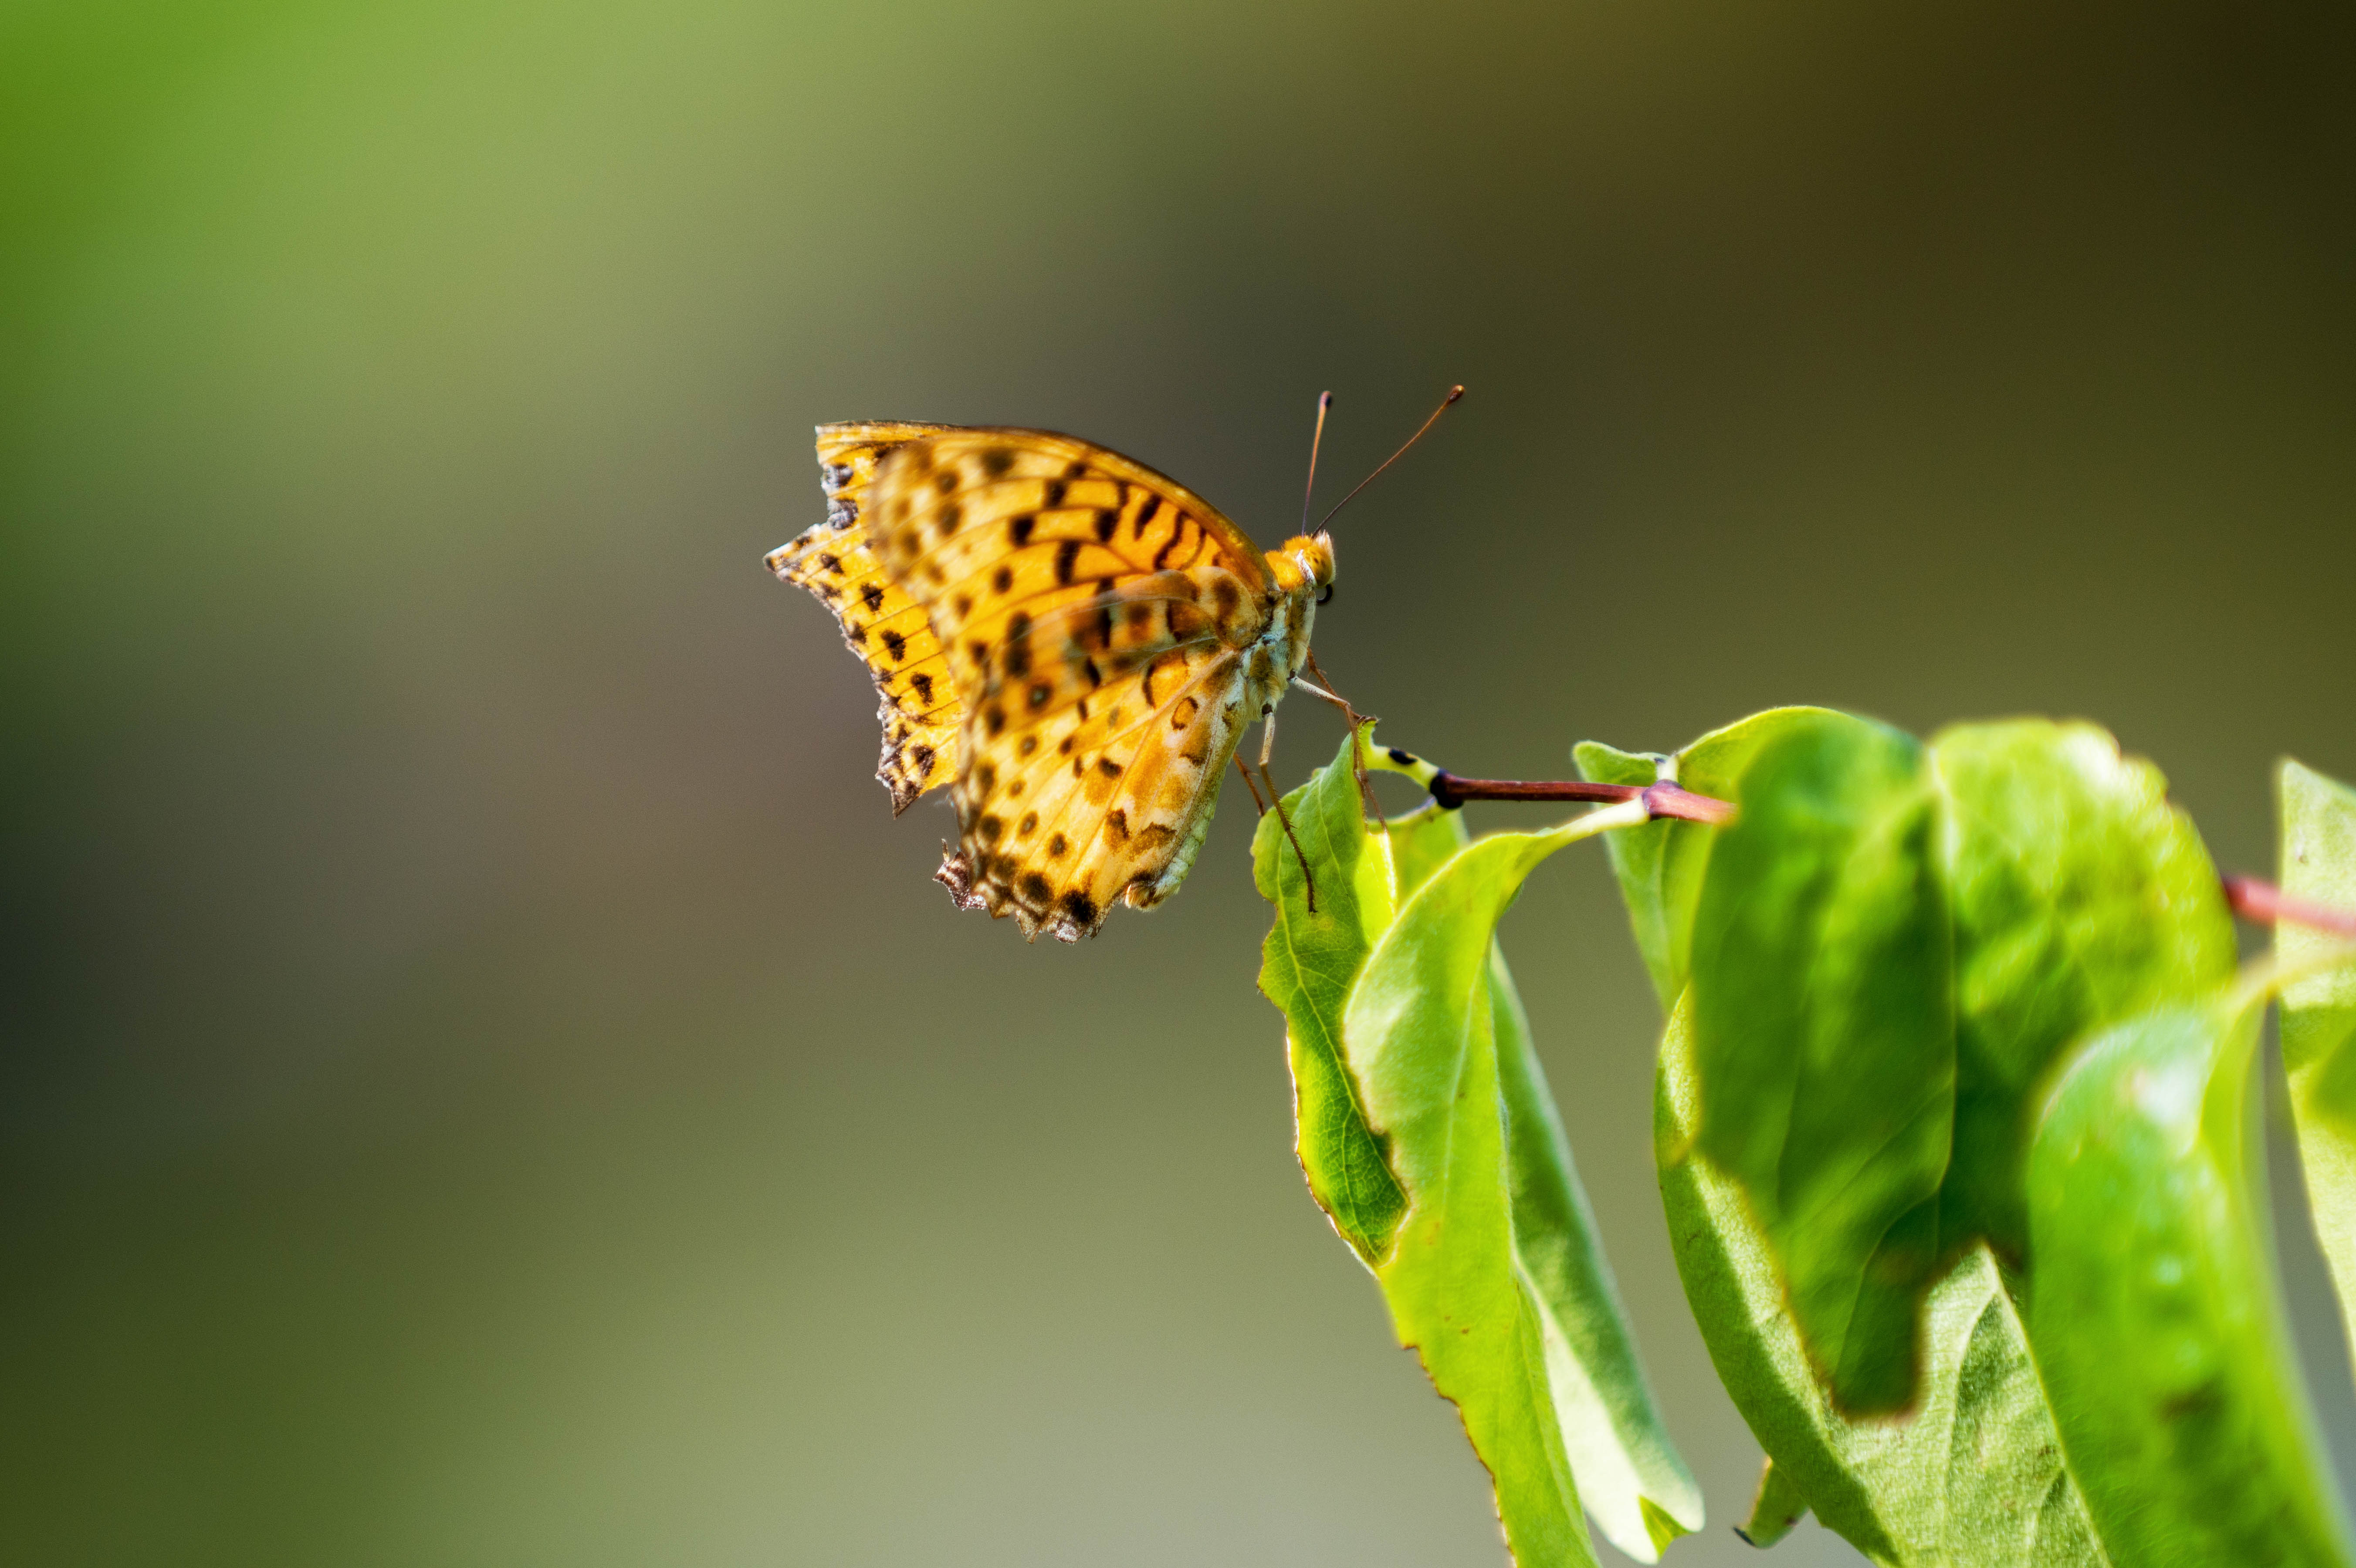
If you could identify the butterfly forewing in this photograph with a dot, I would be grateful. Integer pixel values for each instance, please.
(884, 626)
(1096, 617)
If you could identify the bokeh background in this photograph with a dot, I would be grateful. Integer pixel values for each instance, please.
(488, 1081)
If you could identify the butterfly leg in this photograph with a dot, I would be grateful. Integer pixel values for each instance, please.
(1268, 749)
(1252, 785)
(1357, 722)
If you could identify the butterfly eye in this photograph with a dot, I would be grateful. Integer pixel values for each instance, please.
(1322, 598)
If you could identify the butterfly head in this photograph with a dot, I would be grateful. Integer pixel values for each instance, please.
(1304, 567)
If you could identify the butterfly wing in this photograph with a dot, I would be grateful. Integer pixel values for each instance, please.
(1107, 798)
(886, 628)
(1100, 623)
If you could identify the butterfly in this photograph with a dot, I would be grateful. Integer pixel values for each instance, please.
(1071, 642)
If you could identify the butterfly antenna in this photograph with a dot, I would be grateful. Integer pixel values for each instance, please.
(1324, 401)
(1445, 403)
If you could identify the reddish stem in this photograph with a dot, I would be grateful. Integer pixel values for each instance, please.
(1660, 799)
(2265, 903)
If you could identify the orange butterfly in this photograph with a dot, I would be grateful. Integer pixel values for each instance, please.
(1073, 640)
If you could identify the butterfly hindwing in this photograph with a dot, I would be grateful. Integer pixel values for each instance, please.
(882, 624)
(1107, 798)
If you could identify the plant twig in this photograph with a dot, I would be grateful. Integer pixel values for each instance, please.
(2265, 904)
(1664, 799)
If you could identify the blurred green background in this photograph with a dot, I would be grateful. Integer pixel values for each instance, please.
(487, 1079)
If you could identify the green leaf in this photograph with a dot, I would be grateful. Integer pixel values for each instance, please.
(1496, 1275)
(1420, 1037)
(2079, 898)
(1660, 864)
(1632, 1478)
(1973, 1476)
(1775, 1508)
(1308, 965)
(2154, 1308)
(2086, 932)
(2319, 1021)
(2072, 896)
(1823, 1041)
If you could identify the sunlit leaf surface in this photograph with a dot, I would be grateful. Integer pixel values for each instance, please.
(2319, 1021)
(2078, 897)
(1824, 1039)
(1971, 1476)
(2157, 1324)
